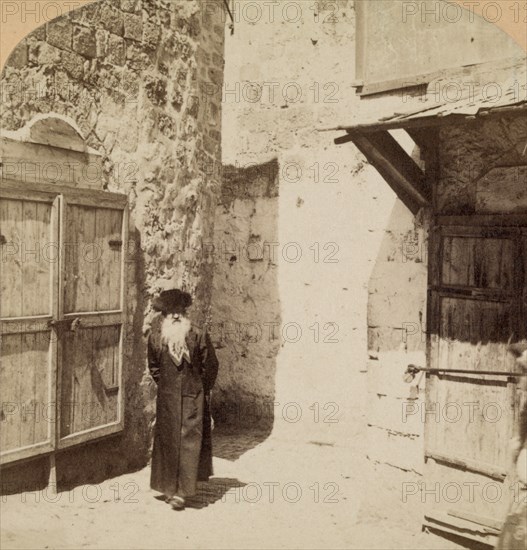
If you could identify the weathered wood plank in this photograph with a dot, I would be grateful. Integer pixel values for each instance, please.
(85, 400)
(81, 260)
(109, 244)
(86, 197)
(67, 366)
(85, 233)
(36, 267)
(10, 391)
(44, 390)
(28, 405)
(12, 239)
(474, 333)
(32, 163)
(469, 418)
(70, 263)
(117, 220)
(478, 262)
(465, 491)
(105, 381)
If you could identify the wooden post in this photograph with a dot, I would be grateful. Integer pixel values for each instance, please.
(52, 479)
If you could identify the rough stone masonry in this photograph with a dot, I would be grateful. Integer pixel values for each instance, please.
(142, 80)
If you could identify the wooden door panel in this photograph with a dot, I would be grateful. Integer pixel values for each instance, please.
(468, 419)
(473, 334)
(93, 259)
(483, 263)
(79, 259)
(108, 239)
(28, 254)
(29, 267)
(26, 393)
(465, 499)
(90, 385)
(476, 305)
(91, 344)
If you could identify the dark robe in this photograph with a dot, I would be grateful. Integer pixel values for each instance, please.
(182, 453)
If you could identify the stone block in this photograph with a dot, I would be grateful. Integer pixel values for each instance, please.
(84, 41)
(112, 19)
(116, 50)
(130, 6)
(151, 32)
(59, 33)
(156, 91)
(167, 126)
(101, 40)
(19, 57)
(41, 53)
(133, 27)
(130, 86)
(74, 64)
(40, 33)
(137, 60)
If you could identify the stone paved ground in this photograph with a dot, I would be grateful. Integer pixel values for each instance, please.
(265, 494)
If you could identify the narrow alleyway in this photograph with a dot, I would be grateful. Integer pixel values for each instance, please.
(269, 494)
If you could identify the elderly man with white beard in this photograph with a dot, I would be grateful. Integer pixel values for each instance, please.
(183, 363)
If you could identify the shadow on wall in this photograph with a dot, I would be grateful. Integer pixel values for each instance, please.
(245, 303)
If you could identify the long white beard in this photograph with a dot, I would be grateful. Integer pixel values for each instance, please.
(173, 333)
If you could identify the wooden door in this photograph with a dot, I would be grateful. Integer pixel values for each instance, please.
(62, 317)
(476, 305)
(28, 301)
(92, 317)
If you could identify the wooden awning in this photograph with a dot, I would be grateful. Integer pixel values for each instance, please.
(372, 137)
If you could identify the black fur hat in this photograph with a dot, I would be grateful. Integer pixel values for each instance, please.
(172, 301)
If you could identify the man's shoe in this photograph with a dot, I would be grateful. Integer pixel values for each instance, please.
(177, 503)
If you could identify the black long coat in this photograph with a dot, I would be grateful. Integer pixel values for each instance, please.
(182, 453)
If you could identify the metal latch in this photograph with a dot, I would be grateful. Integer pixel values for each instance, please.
(65, 324)
(413, 370)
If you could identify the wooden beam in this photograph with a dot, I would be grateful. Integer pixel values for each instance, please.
(395, 179)
(394, 84)
(343, 139)
(402, 162)
(423, 137)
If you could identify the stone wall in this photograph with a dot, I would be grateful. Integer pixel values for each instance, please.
(142, 80)
(483, 167)
(397, 338)
(288, 74)
(246, 298)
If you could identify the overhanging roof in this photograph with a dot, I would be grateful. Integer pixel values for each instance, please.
(491, 88)
(466, 93)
